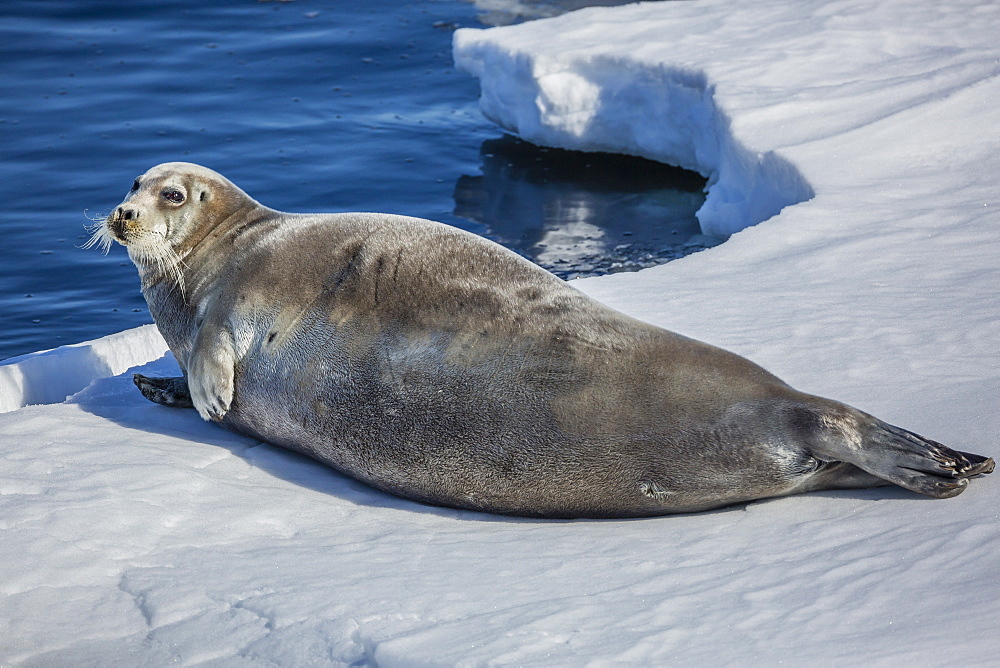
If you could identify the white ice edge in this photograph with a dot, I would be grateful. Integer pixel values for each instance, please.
(51, 376)
(659, 111)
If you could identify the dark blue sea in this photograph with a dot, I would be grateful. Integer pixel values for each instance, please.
(311, 105)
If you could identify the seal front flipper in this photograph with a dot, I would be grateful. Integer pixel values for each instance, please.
(165, 391)
(210, 372)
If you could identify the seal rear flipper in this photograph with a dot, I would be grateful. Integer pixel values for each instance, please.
(838, 433)
(166, 391)
(919, 464)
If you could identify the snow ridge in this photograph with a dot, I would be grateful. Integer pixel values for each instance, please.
(50, 377)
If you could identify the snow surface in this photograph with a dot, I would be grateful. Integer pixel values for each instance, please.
(134, 534)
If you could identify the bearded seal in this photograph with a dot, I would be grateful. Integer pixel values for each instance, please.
(439, 366)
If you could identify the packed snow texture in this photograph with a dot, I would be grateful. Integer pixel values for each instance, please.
(134, 534)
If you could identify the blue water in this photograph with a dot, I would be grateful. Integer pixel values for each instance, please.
(308, 106)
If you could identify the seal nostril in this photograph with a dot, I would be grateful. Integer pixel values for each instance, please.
(119, 217)
(124, 213)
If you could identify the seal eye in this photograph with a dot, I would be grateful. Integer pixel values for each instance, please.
(135, 185)
(175, 196)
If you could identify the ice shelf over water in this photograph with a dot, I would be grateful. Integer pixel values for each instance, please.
(133, 534)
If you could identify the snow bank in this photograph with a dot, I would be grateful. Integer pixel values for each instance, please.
(134, 534)
(51, 376)
(722, 90)
(580, 91)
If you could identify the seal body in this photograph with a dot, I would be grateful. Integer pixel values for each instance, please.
(439, 366)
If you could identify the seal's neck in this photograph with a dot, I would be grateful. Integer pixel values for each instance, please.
(206, 236)
(179, 273)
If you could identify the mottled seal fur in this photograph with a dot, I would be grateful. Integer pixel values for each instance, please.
(439, 366)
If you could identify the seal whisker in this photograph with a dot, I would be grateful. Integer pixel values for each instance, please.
(100, 235)
(157, 251)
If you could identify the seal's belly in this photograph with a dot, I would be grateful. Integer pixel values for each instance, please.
(453, 419)
(417, 394)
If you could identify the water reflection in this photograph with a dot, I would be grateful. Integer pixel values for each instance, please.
(583, 214)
